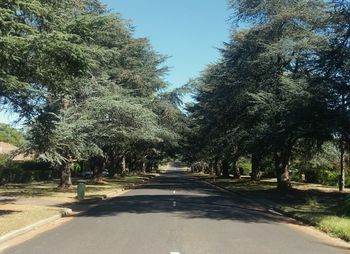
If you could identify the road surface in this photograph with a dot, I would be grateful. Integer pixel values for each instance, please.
(174, 214)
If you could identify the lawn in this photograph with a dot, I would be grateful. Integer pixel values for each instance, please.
(24, 204)
(327, 213)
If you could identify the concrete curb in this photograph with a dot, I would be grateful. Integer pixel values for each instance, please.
(65, 212)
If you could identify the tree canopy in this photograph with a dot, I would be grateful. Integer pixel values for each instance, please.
(272, 89)
(88, 89)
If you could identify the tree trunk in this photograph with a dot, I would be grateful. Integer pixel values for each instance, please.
(217, 168)
(225, 168)
(97, 165)
(149, 167)
(256, 167)
(235, 169)
(66, 179)
(281, 166)
(342, 168)
(124, 170)
(113, 167)
(143, 167)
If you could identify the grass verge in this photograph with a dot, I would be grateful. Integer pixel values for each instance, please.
(321, 206)
(25, 204)
(14, 217)
(330, 217)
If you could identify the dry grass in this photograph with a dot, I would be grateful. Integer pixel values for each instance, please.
(32, 202)
(13, 216)
(49, 189)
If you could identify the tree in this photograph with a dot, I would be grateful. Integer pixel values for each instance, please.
(262, 97)
(10, 135)
(333, 71)
(88, 89)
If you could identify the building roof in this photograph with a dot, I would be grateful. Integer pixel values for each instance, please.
(6, 148)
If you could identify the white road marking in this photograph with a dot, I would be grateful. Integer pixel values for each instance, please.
(174, 252)
(174, 203)
(174, 191)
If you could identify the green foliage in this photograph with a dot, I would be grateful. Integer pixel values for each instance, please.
(89, 90)
(245, 164)
(276, 84)
(23, 172)
(321, 167)
(10, 135)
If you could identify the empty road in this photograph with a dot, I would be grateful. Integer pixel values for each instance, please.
(175, 214)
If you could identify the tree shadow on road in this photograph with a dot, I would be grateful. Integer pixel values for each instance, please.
(194, 199)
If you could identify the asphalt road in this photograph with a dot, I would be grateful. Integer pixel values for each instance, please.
(175, 214)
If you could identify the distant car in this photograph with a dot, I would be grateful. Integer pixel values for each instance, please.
(105, 172)
(86, 174)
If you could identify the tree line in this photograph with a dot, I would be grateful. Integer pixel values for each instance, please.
(281, 87)
(86, 88)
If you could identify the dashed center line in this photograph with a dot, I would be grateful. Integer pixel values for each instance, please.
(174, 203)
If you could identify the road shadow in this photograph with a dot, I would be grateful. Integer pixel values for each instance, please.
(197, 200)
(6, 212)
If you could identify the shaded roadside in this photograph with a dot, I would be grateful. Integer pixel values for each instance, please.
(325, 208)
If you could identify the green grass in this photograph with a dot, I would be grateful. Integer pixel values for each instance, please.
(327, 217)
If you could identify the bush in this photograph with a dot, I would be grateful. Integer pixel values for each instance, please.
(24, 172)
(322, 167)
(11, 174)
(34, 165)
(324, 176)
(244, 165)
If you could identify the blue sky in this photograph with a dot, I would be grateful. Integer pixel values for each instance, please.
(188, 31)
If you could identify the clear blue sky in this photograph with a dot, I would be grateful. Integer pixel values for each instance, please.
(188, 31)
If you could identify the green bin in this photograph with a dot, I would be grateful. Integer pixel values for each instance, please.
(81, 189)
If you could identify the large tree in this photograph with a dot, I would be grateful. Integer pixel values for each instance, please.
(262, 96)
(89, 90)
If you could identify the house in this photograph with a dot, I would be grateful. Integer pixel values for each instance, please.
(6, 148)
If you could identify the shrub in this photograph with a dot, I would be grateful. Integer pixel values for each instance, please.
(24, 172)
(245, 165)
(11, 174)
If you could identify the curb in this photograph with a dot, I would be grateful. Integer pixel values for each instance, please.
(64, 213)
(297, 218)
